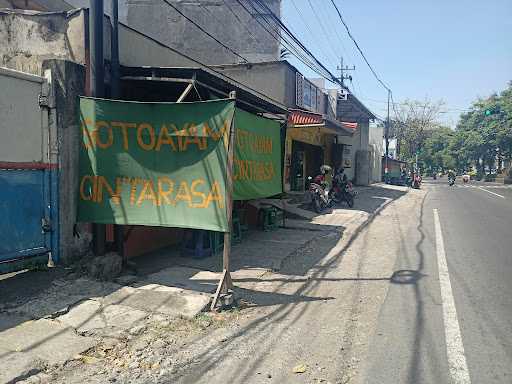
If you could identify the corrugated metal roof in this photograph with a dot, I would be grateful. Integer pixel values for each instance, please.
(218, 82)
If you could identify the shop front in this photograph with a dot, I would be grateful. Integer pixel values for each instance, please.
(311, 141)
(170, 177)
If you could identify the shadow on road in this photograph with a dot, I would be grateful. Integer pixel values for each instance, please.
(288, 313)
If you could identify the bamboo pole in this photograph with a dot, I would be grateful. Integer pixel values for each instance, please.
(225, 283)
(226, 255)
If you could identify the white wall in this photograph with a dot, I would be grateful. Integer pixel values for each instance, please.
(376, 132)
(21, 118)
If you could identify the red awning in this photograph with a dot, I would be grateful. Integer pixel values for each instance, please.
(349, 125)
(297, 117)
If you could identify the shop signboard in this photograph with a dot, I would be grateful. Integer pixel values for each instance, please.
(156, 164)
(164, 164)
(257, 162)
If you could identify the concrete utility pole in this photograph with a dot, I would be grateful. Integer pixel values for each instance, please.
(115, 93)
(386, 138)
(97, 89)
(342, 68)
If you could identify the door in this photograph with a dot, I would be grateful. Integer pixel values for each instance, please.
(297, 169)
(23, 220)
(25, 169)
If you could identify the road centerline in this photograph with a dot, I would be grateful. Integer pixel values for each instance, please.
(454, 347)
(492, 193)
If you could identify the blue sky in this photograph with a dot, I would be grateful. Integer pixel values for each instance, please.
(453, 50)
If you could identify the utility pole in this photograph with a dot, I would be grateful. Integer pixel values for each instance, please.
(342, 68)
(115, 93)
(114, 52)
(386, 138)
(97, 89)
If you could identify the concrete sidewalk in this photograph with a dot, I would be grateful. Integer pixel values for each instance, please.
(73, 315)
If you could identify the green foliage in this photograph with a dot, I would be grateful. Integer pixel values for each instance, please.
(482, 135)
(485, 132)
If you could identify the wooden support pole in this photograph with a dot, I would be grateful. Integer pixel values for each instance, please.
(221, 287)
(225, 283)
(229, 200)
(185, 92)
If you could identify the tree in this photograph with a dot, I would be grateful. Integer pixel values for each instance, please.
(436, 154)
(412, 124)
(484, 134)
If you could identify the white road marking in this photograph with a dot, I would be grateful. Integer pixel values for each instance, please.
(492, 193)
(454, 348)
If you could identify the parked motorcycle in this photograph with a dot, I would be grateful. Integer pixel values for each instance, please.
(416, 182)
(320, 198)
(343, 190)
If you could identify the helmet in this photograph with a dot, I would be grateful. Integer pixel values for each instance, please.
(325, 169)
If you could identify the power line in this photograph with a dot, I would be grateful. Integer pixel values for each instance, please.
(211, 69)
(290, 48)
(306, 61)
(226, 4)
(205, 31)
(358, 48)
(332, 78)
(394, 103)
(302, 56)
(323, 28)
(307, 27)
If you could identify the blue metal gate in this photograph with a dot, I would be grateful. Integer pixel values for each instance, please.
(24, 216)
(28, 172)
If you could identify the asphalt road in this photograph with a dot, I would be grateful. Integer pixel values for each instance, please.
(411, 343)
(422, 294)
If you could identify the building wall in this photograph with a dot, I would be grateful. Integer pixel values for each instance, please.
(242, 33)
(33, 38)
(275, 79)
(28, 40)
(247, 38)
(137, 50)
(27, 173)
(377, 151)
(351, 143)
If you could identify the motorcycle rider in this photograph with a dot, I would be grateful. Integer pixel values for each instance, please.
(320, 189)
(451, 175)
(339, 180)
(324, 177)
(340, 176)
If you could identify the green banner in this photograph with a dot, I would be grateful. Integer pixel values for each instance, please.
(157, 164)
(257, 160)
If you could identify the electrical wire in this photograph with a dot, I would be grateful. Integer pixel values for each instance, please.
(290, 48)
(358, 48)
(291, 42)
(253, 36)
(323, 29)
(308, 28)
(205, 31)
(211, 69)
(332, 78)
(287, 44)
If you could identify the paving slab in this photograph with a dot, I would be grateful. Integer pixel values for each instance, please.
(17, 365)
(64, 293)
(184, 278)
(156, 298)
(46, 340)
(93, 317)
